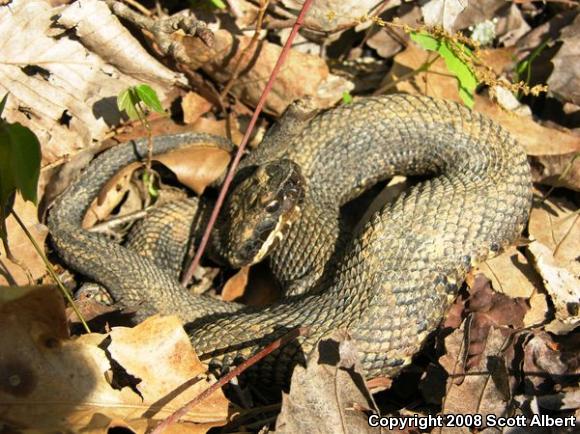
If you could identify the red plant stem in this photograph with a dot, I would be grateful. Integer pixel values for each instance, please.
(230, 176)
(301, 331)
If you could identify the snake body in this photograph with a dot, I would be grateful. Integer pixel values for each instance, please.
(388, 285)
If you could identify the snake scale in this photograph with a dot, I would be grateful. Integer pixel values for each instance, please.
(389, 285)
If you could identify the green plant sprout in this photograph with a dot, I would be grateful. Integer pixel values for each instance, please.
(524, 67)
(135, 101)
(346, 97)
(209, 4)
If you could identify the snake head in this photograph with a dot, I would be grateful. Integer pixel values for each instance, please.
(263, 203)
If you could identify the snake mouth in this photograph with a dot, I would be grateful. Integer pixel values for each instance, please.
(264, 240)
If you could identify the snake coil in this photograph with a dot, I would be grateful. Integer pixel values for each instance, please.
(389, 285)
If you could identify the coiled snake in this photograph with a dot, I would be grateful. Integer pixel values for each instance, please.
(389, 285)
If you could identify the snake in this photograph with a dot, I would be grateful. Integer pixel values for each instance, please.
(388, 285)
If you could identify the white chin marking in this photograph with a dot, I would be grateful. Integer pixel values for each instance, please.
(277, 233)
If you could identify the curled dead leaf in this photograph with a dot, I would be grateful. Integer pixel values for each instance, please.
(63, 84)
(196, 166)
(236, 285)
(53, 383)
(111, 195)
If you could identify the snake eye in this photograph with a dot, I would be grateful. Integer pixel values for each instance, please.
(272, 206)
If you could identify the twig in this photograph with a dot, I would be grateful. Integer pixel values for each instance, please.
(48, 266)
(163, 28)
(283, 55)
(118, 221)
(139, 7)
(276, 10)
(301, 331)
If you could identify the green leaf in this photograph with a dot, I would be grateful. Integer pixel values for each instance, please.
(148, 180)
(19, 162)
(525, 66)
(127, 101)
(467, 81)
(425, 41)
(218, 4)
(149, 97)
(346, 97)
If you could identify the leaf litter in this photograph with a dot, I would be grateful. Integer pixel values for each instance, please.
(508, 346)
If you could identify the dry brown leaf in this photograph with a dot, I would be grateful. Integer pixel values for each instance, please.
(549, 30)
(557, 170)
(555, 224)
(54, 383)
(535, 138)
(159, 353)
(333, 15)
(21, 247)
(511, 274)
(262, 289)
(236, 285)
(547, 362)
(487, 389)
(257, 66)
(111, 195)
(218, 128)
(561, 284)
(100, 31)
(498, 59)
(564, 81)
(478, 11)
(329, 395)
(194, 106)
(436, 83)
(539, 310)
(59, 87)
(488, 309)
(196, 166)
(443, 13)
(511, 25)
(389, 42)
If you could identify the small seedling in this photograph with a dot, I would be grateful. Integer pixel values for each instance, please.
(346, 97)
(135, 101)
(524, 67)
